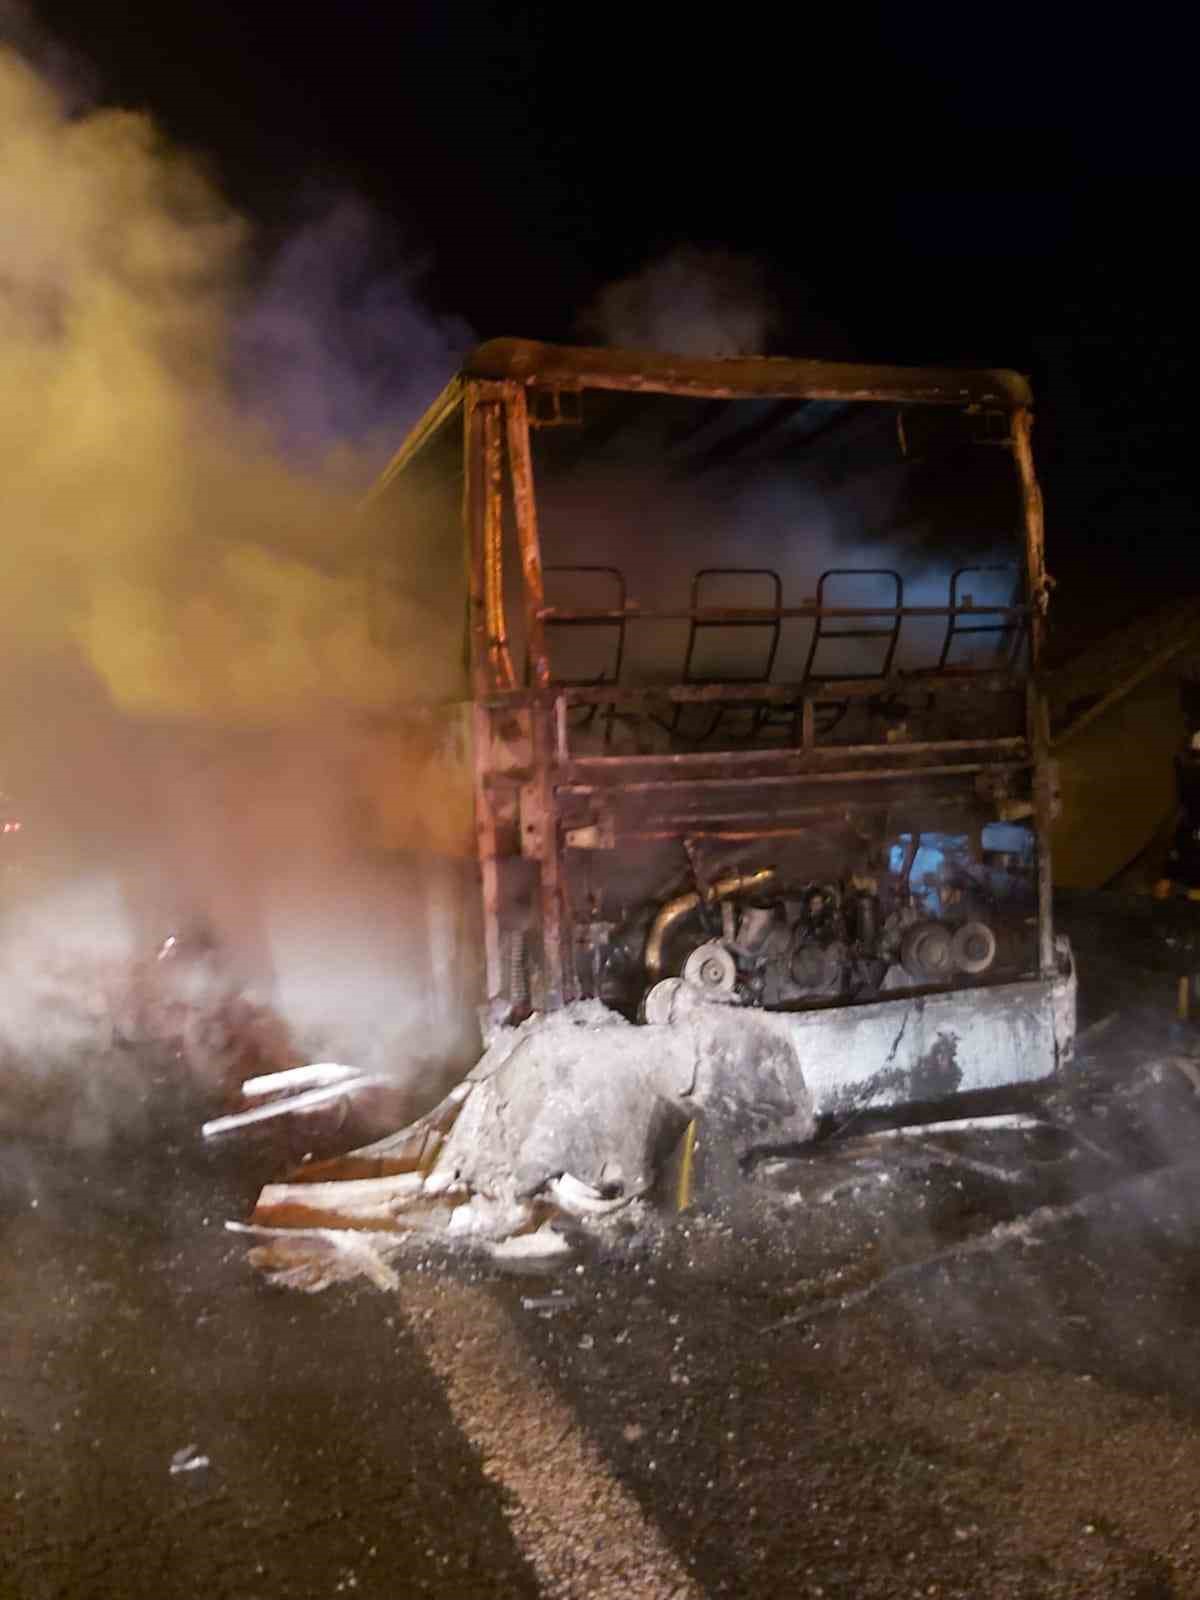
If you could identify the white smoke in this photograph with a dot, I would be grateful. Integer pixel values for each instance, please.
(690, 302)
(199, 734)
(337, 343)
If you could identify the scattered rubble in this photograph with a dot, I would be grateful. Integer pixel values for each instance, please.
(272, 1097)
(579, 1124)
(188, 1460)
(313, 1258)
(994, 1124)
(564, 1121)
(547, 1303)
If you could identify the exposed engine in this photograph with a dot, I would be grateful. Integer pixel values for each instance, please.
(937, 914)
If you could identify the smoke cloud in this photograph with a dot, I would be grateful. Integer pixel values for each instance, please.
(799, 512)
(690, 302)
(193, 699)
(341, 303)
(154, 525)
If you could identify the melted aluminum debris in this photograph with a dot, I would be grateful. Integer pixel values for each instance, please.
(565, 1118)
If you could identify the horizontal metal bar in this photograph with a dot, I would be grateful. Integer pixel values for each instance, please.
(767, 377)
(815, 815)
(700, 826)
(747, 690)
(764, 614)
(853, 633)
(918, 747)
(799, 755)
(863, 775)
(815, 689)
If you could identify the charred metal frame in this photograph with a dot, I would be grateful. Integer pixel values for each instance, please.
(522, 743)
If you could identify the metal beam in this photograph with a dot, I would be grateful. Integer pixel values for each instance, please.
(766, 377)
(1037, 726)
(439, 413)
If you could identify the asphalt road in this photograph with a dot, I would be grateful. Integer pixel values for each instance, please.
(964, 1366)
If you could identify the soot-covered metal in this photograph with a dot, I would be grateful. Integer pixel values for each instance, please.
(754, 653)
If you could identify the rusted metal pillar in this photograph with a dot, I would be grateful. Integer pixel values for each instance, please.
(520, 463)
(476, 498)
(473, 513)
(499, 656)
(1038, 718)
(1037, 583)
(541, 817)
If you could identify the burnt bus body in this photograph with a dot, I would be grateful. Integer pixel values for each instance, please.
(753, 649)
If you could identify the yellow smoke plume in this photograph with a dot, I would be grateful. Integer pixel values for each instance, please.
(148, 523)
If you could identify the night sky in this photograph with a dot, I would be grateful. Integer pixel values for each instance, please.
(992, 185)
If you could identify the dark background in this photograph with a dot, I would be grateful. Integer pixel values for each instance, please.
(982, 185)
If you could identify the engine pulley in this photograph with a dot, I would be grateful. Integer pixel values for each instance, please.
(712, 969)
(973, 948)
(926, 952)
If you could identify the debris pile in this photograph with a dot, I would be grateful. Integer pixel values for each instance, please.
(565, 1120)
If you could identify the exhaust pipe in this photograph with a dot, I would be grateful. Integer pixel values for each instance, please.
(673, 911)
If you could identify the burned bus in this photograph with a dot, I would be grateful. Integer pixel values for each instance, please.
(752, 648)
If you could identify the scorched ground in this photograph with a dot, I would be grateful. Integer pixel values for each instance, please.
(973, 1375)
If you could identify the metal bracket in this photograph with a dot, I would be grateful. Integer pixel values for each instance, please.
(557, 407)
(598, 835)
